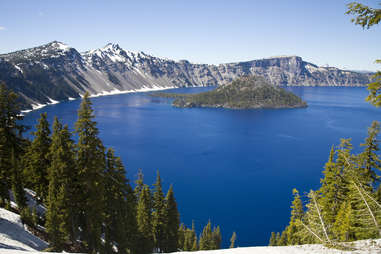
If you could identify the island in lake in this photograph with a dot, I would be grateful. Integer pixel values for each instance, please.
(248, 92)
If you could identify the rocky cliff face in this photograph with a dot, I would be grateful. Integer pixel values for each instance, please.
(56, 72)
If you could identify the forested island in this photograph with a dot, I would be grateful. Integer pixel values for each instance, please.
(248, 92)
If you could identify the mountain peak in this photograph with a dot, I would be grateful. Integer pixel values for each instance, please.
(59, 45)
(112, 46)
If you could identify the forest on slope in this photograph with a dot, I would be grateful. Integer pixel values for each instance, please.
(90, 204)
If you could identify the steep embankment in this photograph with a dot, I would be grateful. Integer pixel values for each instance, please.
(56, 72)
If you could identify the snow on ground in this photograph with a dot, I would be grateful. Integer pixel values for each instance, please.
(16, 239)
(361, 247)
(14, 236)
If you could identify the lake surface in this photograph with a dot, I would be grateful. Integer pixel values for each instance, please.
(234, 167)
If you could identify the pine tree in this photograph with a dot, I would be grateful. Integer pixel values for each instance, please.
(181, 237)
(36, 160)
(332, 189)
(159, 216)
(120, 215)
(217, 238)
(233, 239)
(195, 245)
(277, 239)
(173, 221)
(314, 223)
(272, 241)
(11, 140)
(369, 162)
(297, 213)
(282, 239)
(139, 184)
(144, 219)
(190, 238)
(62, 178)
(366, 212)
(206, 241)
(343, 227)
(90, 164)
(17, 184)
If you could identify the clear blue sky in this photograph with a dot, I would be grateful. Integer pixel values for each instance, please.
(202, 31)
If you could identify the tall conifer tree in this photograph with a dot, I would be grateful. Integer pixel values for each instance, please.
(61, 213)
(120, 218)
(90, 164)
(36, 161)
(144, 222)
(11, 140)
(159, 216)
(297, 213)
(173, 221)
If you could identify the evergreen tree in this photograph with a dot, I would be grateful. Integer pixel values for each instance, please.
(144, 220)
(332, 188)
(366, 212)
(297, 213)
(17, 184)
(195, 245)
(190, 238)
(120, 224)
(62, 178)
(207, 241)
(343, 227)
(217, 238)
(181, 237)
(314, 223)
(11, 140)
(90, 164)
(139, 184)
(277, 239)
(159, 216)
(36, 160)
(173, 221)
(282, 239)
(233, 239)
(369, 162)
(273, 239)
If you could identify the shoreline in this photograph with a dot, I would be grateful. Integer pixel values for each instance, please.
(103, 93)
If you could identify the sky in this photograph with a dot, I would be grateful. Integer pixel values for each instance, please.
(201, 31)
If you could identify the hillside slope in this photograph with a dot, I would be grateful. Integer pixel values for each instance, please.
(56, 72)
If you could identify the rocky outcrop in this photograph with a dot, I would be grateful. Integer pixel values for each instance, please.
(56, 72)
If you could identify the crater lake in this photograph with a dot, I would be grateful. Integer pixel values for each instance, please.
(234, 167)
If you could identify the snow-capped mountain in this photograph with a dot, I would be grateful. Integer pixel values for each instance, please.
(55, 72)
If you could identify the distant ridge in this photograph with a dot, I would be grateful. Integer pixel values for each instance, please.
(56, 72)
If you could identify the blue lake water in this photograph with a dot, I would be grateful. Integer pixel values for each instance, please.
(234, 167)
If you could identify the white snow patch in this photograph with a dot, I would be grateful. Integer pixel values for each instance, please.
(18, 68)
(116, 91)
(62, 46)
(116, 58)
(14, 236)
(52, 101)
(361, 247)
(38, 106)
